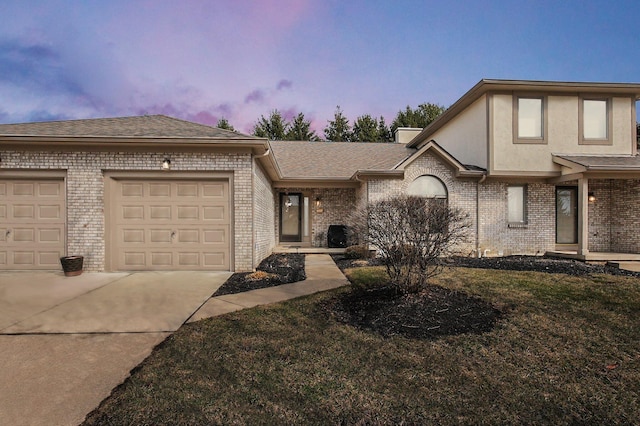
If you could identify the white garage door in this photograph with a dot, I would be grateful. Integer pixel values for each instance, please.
(32, 223)
(171, 225)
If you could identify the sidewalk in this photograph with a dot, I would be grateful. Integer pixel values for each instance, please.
(322, 274)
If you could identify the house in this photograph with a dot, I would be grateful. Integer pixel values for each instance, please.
(539, 166)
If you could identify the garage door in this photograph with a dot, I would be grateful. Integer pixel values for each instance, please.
(171, 225)
(32, 223)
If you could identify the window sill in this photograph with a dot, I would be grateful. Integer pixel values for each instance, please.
(517, 225)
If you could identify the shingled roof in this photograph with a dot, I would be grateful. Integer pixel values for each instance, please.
(302, 159)
(147, 126)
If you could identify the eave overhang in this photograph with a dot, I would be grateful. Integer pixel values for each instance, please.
(104, 143)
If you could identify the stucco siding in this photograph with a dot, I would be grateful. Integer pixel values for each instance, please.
(465, 137)
(562, 135)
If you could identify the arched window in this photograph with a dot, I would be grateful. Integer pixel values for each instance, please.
(427, 186)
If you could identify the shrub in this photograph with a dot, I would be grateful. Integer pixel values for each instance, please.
(411, 234)
(357, 252)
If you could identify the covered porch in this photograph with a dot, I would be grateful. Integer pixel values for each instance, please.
(607, 207)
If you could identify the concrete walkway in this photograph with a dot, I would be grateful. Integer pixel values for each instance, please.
(65, 343)
(322, 274)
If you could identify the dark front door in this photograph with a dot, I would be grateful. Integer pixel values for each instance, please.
(566, 215)
(291, 217)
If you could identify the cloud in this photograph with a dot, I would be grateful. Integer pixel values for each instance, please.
(284, 84)
(255, 96)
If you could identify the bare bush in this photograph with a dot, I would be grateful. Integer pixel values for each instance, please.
(411, 235)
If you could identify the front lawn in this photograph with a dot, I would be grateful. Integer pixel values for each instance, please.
(565, 351)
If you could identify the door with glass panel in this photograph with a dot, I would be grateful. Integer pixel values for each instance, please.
(566, 215)
(291, 217)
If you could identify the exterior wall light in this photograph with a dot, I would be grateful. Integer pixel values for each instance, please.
(319, 208)
(591, 197)
(166, 164)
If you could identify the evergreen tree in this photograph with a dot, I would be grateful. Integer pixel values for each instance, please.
(384, 134)
(365, 129)
(223, 123)
(273, 128)
(420, 118)
(300, 130)
(338, 129)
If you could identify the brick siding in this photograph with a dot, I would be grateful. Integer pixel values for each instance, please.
(264, 209)
(85, 192)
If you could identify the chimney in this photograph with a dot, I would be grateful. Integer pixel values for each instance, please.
(406, 134)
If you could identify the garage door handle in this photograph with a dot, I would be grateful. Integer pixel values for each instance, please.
(173, 234)
(8, 232)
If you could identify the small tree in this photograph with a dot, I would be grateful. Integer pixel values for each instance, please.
(411, 235)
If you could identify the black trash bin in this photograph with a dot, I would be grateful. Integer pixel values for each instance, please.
(337, 236)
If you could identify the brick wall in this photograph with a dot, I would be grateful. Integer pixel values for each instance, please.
(85, 192)
(461, 193)
(264, 215)
(536, 237)
(625, 216)
(336, 204)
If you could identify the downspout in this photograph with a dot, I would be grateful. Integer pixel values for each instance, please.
(482, 179)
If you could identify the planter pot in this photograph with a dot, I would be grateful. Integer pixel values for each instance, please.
(71, 265)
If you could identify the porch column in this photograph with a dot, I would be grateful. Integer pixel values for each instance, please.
(583, 216)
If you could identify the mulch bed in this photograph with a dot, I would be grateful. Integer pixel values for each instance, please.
(511, 263)
(435, 312)
(275, 270)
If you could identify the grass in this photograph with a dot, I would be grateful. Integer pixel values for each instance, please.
(567, 352)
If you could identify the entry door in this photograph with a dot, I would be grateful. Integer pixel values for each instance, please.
(291, 217)
(566, 215)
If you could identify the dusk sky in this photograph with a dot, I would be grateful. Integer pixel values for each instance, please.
(202, 60)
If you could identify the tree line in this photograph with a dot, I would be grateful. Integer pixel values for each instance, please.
(364, 128)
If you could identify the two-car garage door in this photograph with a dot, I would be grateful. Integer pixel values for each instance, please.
(32, 223)
(169, 225)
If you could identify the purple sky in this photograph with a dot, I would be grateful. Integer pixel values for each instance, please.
(201, 60)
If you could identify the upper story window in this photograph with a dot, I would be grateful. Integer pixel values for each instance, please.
(427, 186)
(529, 119)
(595, 121)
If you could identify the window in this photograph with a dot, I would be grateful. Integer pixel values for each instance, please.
(517, 205)
(529, 120)
(427, 186)
(595, 121)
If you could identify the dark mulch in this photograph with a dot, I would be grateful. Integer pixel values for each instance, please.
(435, 312)
(511, 263)
(277, 269)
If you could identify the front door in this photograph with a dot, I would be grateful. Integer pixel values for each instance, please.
(291, 217)
(566, 215)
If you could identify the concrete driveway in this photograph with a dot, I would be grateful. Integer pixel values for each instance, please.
(66, 342)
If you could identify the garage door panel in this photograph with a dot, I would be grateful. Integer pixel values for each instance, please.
(188, 190)
(49, 212)
(49, 236)
(160, 212)
(171, 225)
(160, 235)
(215, 259)
(160, 190)
(33, 218)
(132, 190)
